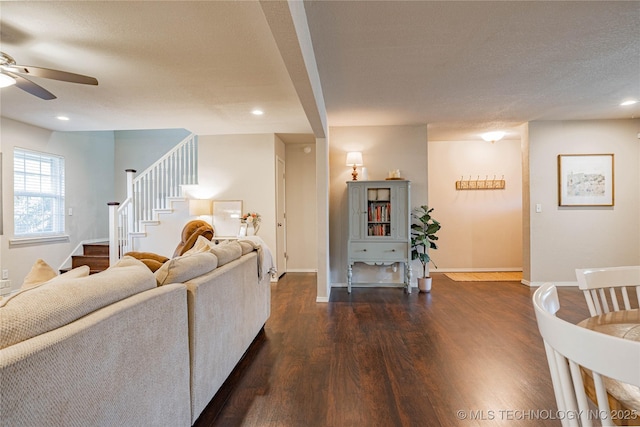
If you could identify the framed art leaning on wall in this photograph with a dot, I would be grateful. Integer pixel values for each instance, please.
(585, 180)
(226, 217)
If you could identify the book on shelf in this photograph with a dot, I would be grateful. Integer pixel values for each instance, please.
(379, 212)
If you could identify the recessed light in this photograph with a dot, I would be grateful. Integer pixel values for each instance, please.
(629, 102)
(257, 112)
(63, 118)
(493, 136)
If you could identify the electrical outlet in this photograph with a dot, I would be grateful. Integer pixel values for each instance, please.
(5, 284)
(5, 274)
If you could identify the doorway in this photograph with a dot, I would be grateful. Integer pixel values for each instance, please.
(281, 218)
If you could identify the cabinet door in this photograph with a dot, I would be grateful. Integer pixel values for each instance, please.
(401, 211)
(356, 214)
(379, 208)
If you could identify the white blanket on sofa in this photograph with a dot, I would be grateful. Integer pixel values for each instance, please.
(265, 257)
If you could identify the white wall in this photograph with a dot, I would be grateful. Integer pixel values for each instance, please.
(89, 158)
(163, 238)
(241, 167)
(481, 229)
(301, 208)
(566, 238)
(383, 148)
(139, 149)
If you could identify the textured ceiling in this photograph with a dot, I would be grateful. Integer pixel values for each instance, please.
(461, 67)
(472, 66)
(203, 66)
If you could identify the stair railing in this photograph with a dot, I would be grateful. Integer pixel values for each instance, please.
(149, 192)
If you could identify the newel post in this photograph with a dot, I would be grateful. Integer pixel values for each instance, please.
(130, 217)
(130, 173)
(114, 241)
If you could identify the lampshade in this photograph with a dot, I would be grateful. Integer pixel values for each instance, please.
(354, 158)
(6, 80)
(493, 136)
(200, 207)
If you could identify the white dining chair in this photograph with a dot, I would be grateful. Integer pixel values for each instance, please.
(570, 347)
(618, 281)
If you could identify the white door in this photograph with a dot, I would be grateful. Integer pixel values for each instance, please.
(281, 219)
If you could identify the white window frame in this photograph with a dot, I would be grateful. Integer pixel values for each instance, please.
(40, 177)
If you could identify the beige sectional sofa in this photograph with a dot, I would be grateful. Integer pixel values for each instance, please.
(127, 346)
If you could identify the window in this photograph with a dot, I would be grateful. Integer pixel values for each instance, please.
(38, 191)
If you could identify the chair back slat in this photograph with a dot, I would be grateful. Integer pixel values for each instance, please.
(625, 298)
(618, 280)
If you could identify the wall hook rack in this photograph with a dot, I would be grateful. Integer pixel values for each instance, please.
(481, 184)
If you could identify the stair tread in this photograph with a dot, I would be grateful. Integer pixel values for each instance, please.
(90, 256)
(96, 248)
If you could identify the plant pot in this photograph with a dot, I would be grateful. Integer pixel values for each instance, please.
(424, 284)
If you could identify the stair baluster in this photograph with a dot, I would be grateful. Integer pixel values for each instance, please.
(150, 191)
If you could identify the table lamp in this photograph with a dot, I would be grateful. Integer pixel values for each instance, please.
(354, 158)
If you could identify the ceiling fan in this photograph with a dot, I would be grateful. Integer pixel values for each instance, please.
(12, 73)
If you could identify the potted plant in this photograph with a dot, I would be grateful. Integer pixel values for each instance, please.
(423, 237)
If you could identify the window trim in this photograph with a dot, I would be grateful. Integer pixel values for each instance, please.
(26, 241)
(59, 181)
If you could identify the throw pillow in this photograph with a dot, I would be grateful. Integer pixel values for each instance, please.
(151, 260)
(201, 245)
(184, 268)
(40, 273)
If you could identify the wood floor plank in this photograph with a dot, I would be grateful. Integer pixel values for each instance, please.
(467, 354)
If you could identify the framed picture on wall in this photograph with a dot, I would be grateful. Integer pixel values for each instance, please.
(226, 217)
(585, 180)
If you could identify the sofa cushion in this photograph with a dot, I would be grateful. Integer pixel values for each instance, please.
(186, 267)
(247, 247)
(227, 252)
(82, 271)
(65, 299)
(39, 273)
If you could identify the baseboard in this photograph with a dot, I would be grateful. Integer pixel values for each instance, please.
(373, 285)
(473, 270)
(397, 285)
(302, 270)
(557, 284)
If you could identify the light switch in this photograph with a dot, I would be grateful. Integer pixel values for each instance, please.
(70, 211)
(538, 207)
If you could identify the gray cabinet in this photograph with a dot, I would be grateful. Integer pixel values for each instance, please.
(379, 225)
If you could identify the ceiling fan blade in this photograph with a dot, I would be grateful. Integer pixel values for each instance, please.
(64, 76)
(32, 88)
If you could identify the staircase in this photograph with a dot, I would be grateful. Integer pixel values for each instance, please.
(95, 255)
(149, 194)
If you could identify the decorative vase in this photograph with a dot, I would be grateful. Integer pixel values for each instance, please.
(424, 284)
(251, 231)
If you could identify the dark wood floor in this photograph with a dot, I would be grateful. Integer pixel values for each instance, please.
(467, 354)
